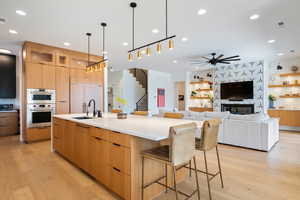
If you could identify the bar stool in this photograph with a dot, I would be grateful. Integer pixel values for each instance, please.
(179, 153)
(208, 141)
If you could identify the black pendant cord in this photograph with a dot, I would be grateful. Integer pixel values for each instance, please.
(166, 18)
(133, 5)
(89, 35)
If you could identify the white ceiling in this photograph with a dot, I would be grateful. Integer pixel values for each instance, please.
(225, 28)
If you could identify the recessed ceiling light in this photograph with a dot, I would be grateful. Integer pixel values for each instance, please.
(280, 54)
(175, 61)
(155, 31)
(2, 21)
(271, 41)
(67, 44)
(21, 12)
(13, 31)
(5, 51)
(125, 44)
(184, 39)
(254, 17)
(202, 12)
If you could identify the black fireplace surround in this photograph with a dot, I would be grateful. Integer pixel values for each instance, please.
(242, 109)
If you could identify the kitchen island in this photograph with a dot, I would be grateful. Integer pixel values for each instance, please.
(109, 149)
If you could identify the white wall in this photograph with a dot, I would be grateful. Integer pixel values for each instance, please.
(160, 80)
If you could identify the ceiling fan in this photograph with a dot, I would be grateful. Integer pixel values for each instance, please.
(219, 59)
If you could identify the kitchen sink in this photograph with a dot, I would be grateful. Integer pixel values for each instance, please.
(83, 117)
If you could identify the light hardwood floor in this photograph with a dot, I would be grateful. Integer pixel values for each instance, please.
(32, 172)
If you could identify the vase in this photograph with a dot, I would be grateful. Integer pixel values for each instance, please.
(271, 104)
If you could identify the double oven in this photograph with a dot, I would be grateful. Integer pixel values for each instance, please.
(40, 107)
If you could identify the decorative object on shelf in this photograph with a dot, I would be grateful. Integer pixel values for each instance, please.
(193, 94)
(158, 43)
(285, 82)
(161, 97)
(211, 98)
(279, 67)
(98, 66)
(272, 98)
(294, 69)
(215, 60)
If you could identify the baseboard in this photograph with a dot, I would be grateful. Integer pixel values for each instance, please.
(289, 128)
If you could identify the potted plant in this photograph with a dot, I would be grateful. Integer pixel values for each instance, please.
(272, 98)
(193, 94)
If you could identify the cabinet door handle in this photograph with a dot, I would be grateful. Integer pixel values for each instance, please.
(116, 144)
(82, 126)
(116, 169)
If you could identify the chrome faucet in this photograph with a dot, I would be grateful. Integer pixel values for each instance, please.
(89, 105)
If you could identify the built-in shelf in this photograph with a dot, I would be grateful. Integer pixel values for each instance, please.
(204, 90)
(290, 74)
(289, 85)
(285, 96)
(199, 97)
(201, 82)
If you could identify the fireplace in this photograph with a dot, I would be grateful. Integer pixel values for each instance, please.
(242, 109)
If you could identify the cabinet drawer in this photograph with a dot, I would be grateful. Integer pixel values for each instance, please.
(120, 183)
(8, 130)
(100, 133)
(57, 144)
(119, 158)
(119, 138)
(8, 114)
(35, 134)
(58, 121)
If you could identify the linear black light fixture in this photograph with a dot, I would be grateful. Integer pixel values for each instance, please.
(158, 44)
(98, 66)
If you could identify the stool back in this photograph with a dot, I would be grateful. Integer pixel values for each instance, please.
(116, 111)
(173, 115)
(182, 146)
(209, 136)
(143, 113)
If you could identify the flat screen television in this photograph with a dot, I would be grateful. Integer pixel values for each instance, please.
(7, 76)
(237, 90)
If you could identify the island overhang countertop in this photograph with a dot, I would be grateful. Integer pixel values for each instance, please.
(151, 128)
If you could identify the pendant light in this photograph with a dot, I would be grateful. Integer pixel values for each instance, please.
(98, 66)
(158, 43)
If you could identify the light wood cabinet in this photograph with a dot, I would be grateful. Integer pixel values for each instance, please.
(40, 54)
(119, 157)
(120, 183)
(8, 123)
(62, 60)
(287, 117)
(48, 77)
(36, 134)
(40, 76)
(58, 135)
(98, 165)
(68, 142)
(81, 146)
(62, 85)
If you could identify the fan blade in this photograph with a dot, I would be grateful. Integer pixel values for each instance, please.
(220, 56)
(230, 57)
(223, 62)
(205, 58)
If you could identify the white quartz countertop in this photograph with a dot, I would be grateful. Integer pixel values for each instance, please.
(151, 128)
(7, 111)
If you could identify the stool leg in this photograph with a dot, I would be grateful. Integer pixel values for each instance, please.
(197, 181)
(175, 185)
(207, 176)
(143, 177)
(190, 168)
(166, 171)
(219, 164)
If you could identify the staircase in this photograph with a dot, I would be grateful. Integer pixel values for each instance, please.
(141, 77)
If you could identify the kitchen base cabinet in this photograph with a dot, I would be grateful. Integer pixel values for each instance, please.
(287, 117)
(8, 123)
(36, 134)
(113, 159)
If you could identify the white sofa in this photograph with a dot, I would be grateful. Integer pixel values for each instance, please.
(255, 131)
